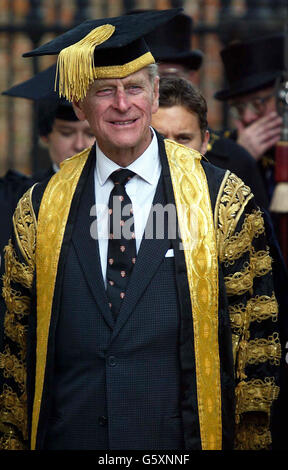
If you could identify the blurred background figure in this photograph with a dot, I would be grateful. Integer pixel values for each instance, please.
(172, 48)
(58, 127)
(251, 70)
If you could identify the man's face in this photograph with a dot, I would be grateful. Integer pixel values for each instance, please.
(119, 112)
(179, 124)
(68, 138)
(250, 107)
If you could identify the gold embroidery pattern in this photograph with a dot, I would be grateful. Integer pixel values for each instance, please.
(16, 332)
(260, 350)
(13, 406)
(25, 225)
(255, 395)
(252, 396)
(258, 308)
(13, 367)
(198, 237)
(14, 413)
(52, 220)
(238, 244)
(252, 433)
(239, 282)
(242, 281)
(232, 199)
(261, 262)
(16, 271)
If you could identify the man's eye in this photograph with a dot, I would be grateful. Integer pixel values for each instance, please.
(104, 92)
(66, 134)
(134, 88)
(183, 139)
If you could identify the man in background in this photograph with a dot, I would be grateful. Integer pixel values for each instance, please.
(58, 127)
(251, 70)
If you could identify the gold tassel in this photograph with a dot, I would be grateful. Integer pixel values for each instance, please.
(75, 64)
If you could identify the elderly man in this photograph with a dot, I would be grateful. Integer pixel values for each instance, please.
(155, 326)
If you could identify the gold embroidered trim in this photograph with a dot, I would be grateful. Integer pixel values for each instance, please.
(12, 411)
(242, 281)
(15, 301)
(255, 395)
(16, 271)
(53, 214)
(25, 225)
(240, 243)
(13, 367)
(16, 332)
(258, 308)
(257, 351)
(261, 262)
(198, 237)
(239, 282)
(252, 433)
(232, 199)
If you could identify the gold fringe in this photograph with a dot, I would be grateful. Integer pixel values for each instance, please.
(75, 64)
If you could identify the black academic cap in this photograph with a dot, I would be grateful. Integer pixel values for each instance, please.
(40, 89)
(104, 48)
(171, 41)
(40, 86)
(251, 65)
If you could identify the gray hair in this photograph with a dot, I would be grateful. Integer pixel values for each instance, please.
(152, 72)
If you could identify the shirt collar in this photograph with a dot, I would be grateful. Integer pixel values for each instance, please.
(149, 160)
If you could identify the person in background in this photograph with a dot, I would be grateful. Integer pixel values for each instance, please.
(251, 70)
(58, 127)
(142, 331)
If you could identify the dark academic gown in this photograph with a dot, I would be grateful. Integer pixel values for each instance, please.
(12, 186)
(227, 154)
(136, 384)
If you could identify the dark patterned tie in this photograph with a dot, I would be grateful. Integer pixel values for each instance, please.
(121, 245)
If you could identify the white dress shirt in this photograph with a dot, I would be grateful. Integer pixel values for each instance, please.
(141, 190)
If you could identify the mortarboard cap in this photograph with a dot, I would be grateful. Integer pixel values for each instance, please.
(40, 89)
(104, 48)
(171, 42)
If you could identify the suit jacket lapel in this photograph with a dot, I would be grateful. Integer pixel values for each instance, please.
(87, 248)
(150, 255)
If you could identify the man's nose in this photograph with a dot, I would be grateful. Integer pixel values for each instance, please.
(80, 142)
(248, 115)
(121, 101)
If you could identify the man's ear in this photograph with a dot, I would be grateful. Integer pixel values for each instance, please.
(205, 143)
(78, 110)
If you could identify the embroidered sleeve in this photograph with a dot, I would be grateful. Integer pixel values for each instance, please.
(253, 309)
(17, 285)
